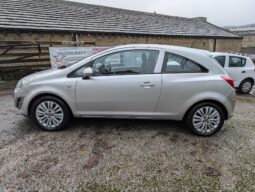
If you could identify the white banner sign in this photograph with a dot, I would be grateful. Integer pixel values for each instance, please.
(67, 56)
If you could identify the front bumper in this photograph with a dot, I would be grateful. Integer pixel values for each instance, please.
(18, 102)
(19, 97)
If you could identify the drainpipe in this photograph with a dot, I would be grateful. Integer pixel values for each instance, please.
(214, 45)
(75, 39)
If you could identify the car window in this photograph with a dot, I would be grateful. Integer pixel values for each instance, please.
(131, 62)
(221, 60)
(237, 61)
(177, 64)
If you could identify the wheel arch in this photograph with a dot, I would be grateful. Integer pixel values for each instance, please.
(208, 101)
(44, 95)
(248, 78)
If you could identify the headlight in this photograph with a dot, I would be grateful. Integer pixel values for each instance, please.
(22, 83)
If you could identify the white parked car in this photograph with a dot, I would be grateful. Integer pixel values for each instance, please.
(239, 68)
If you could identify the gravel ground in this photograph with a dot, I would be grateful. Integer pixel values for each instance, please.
(126, 155)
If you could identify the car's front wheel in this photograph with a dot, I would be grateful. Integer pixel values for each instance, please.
(50, 113)
(205, 119)
(245, 87)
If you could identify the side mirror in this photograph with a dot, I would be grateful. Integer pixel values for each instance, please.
(87, 73)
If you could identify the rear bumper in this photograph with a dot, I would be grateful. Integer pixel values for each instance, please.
(230, 104)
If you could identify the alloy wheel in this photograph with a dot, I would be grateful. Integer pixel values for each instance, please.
(49, 114)
(206, 120)
(246, 87)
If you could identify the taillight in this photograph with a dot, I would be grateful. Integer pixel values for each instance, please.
(229, 80)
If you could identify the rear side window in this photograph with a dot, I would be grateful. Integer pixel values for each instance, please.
(237, 61)
(221, 60)
(177, 64)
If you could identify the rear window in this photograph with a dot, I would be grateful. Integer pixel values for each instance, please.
(237, 61)
(177, 64)
(221, 60)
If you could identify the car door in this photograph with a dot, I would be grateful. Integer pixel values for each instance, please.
(123, 84)
(236, 69)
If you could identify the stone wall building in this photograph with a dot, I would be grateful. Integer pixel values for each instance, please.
(29, 27)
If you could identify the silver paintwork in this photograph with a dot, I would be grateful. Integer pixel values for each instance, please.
(49, 114)
(148, 96)
(206, 120)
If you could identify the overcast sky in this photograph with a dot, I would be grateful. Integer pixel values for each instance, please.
(219, 12)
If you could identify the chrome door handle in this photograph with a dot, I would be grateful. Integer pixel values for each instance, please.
(147, 85)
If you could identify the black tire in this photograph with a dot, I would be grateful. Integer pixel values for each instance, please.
(193, 111)
(241, 88)
(66, 113)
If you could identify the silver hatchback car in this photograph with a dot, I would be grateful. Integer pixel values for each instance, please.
(132, 81)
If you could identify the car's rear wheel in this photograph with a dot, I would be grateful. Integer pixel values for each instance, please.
(205, 119)
(245, 87)
(50, 113)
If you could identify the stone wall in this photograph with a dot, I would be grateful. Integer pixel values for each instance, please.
(248, 41)
(228, 45)
(17, 69)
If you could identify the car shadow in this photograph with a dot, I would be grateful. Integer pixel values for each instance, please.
(133, 125)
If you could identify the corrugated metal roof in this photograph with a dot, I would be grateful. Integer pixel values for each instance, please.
(59, 15)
